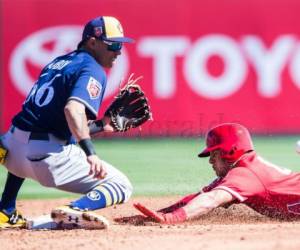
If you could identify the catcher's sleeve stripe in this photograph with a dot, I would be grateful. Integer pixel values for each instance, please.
(106, 194)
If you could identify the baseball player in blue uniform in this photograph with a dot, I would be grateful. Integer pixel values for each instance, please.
(41, 140)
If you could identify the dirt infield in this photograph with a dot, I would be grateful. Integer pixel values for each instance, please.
(235, 228)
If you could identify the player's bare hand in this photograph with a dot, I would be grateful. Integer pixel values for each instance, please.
(97, 169)
(107, 124)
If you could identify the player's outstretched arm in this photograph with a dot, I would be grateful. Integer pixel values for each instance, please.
(199, 205)
(206, 202)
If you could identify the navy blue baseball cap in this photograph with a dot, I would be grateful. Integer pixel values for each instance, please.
(105, 28)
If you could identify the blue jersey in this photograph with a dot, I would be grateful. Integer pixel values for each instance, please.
(74, 76)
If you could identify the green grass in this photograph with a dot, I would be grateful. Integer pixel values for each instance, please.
(165, 166)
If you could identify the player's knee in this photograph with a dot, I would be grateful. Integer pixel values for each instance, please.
(128, 189)
(124, 185)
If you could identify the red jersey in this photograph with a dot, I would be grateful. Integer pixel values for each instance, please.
(263, 186)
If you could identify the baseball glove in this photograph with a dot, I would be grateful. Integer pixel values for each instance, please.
(130, 108)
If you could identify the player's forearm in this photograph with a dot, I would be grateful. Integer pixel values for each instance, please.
(206, 202)
(199, 205)
(77, 120)
(198, 208)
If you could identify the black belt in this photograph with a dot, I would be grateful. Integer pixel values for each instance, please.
(34, 136)
(40, 136)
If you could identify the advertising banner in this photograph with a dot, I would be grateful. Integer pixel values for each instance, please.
(203, 61)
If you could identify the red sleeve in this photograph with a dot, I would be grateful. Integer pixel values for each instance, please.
(241, 183)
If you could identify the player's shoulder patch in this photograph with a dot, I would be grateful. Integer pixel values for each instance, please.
(94, 88)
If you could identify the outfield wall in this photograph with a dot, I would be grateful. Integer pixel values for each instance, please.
(203, 61)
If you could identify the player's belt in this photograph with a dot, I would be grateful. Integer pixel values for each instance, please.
(39, 136)
(34, 136)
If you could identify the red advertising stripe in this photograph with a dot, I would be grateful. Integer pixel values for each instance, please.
(203, 62)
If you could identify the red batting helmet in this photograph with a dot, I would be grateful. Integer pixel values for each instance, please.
(231, 138)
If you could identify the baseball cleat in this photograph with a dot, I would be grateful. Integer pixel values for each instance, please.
(13, 220)
(68, 217)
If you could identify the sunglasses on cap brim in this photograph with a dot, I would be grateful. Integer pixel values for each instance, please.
(113, 46)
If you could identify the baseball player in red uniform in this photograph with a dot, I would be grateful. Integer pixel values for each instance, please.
(242, 177)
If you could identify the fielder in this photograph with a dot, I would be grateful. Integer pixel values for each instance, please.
(60, 110)
(242, 177)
